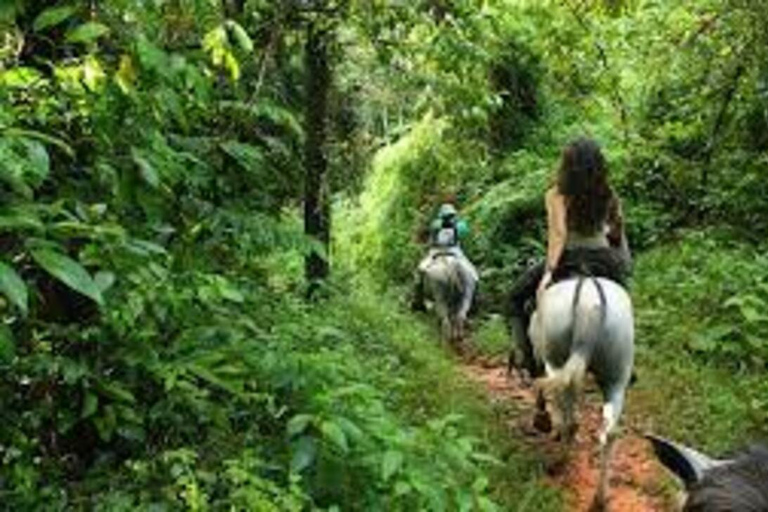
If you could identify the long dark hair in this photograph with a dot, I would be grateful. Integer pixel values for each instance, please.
(583, 180)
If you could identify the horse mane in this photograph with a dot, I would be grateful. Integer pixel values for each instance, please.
(738, 485)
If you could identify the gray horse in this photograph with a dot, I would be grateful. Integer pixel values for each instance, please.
(450, 283)
(718, 485)
(584, 324)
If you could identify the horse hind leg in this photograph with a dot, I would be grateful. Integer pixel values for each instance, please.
(446, 328)
(458, 331)
(542, 421)
(600, 502)
(612, 409)
(569, 401)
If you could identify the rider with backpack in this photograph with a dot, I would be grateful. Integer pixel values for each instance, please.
(445, 233)
(585, 235)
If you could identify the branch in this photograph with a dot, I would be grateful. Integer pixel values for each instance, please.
(709, 149)
(274, 35)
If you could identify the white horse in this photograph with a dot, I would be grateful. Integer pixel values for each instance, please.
(585, 324)
(450, 283)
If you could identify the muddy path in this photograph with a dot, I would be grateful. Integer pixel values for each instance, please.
(637, 482)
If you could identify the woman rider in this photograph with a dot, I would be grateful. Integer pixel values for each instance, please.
(585, 235)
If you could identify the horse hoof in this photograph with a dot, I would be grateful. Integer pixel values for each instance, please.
(598, 505)
(542, 422)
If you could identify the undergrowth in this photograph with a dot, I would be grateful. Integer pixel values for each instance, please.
(260, 401)
(702, 341)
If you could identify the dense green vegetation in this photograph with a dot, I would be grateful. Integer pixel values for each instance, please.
(158, 347)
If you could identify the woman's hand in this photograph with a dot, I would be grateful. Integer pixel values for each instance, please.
(545, 281)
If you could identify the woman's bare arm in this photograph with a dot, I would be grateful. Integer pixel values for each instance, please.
(557, 228)
(616, 234)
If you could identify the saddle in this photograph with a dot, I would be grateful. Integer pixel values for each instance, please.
(592, 262)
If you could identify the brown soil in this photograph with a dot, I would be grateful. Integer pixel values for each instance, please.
(636, 479)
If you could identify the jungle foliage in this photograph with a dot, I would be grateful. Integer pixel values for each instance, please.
(156, 347)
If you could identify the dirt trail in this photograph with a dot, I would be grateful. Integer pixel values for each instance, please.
(636, 482)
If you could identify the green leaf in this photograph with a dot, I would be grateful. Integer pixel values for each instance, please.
(352, 431)
(304, 451)
(90, 405)
(42, 137)
(104, 280)
(69, 272)
(241, 36)
(38, 162)
(7, 344)
(87, 32)
(333, 432)
(249, 157)
(402, 488)
(21, 77)
(52, 17)
(20, 219)
(13, 287)
(116, 392)
(146, 248)
(391, 464)
(106, 423)
(209, 376)
(298, 424)
(147, 172)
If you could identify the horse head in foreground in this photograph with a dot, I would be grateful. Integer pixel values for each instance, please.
(718, 485)
(584, 324)
(450, 283)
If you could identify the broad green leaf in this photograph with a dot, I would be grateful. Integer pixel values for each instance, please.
(69, 272)
(298, 424)
(126, 74)
(90, 405)
(21, 77)
(87, 32)
(93, 73)
(391, 464)
(485, 504)
(7, 344)
(104, 280)
(20, 219)
(304, 451)
(106, 423)
(333, 432)
(13, 287)
(132, 432)
(402, 488)
(234, 387)
(115, 391)
(38, 162)
(42, 137)
(352, 431)
(146, 170)
(52, 17)
(249, 157)
(241, 36)
(145, 248)
(216, 44)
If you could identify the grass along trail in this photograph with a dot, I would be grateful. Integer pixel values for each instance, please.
(637, 481)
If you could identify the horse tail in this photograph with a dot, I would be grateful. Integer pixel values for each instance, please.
(588, 321)
(455, 285)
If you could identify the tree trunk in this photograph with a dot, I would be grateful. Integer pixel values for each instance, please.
(316, 200)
